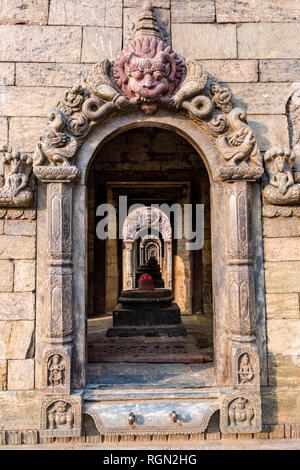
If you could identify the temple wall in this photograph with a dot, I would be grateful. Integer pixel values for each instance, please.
(46, 46)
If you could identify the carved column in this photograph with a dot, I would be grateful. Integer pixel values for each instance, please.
(58, 335)
(129, 271)
(243, 352)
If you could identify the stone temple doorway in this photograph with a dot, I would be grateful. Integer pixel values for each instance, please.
(149, 166)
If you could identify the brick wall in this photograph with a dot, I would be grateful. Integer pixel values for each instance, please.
(253, 46)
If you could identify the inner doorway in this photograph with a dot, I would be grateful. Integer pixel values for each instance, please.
(150, 166)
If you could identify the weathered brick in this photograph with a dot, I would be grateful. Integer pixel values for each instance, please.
(45, 75)
(3, 375)
(281, 227)
(16, 339)
(232, 70)
(20, 374)
(17, 306)
(17, 247)
(155, 3)
(20, 227)
(24, 275)
(269, 130)
(205, 41)
(24, 133)
(28, 101)
(131, 15)
(40, 43)
(193, 11)
(281, 306)
(282, 277)
(283, 338)
(77, 12)
(282, 249)
(237, 11)
(3, 132)
(279, 70)
(7, 73)
(114, 12)
(100, 43)
(269, 41)
(262, 98)
(24, 12)
(284, 370)
(7, 276)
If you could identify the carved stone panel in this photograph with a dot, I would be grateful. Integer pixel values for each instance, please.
(241, 297)
(245, 367)
(17, 184)
(239, 226)
(61, 416)
(241, 413)
(57, 370)
(282, 195)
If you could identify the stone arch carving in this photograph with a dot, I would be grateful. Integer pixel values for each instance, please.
(182, 99)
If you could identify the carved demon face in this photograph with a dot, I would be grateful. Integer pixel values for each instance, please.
(148, 72)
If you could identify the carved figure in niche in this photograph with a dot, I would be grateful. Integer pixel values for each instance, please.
(282, 189)
(241, 413)
(56, 369)
(246, 373)
(17, 186)
(61, 416)
(55, 143)
(147, 70)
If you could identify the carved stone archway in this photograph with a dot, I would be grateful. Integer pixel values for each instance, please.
(149, 85)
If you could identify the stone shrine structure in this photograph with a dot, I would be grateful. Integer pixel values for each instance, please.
(184, 76)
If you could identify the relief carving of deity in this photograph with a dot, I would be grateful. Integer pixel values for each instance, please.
(246, 373)
(56, 369)
(61, 416)
(282, 189)
(241, 413)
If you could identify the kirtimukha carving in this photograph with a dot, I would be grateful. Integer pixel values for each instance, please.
(241, 413)
(60, 416)
(282, 193)
(16, 186)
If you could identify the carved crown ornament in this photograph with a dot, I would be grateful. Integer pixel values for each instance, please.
(146, 75)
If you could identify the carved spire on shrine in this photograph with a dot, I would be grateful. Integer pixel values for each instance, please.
(147, 24)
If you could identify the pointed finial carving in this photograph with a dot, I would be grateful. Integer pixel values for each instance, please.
(147, 24)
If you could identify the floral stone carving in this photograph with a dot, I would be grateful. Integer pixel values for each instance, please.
(282, 193)
(16, 186)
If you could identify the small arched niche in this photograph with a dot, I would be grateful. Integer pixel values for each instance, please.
(150, 166)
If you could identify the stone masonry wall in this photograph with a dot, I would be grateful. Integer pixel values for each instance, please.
(253, 46)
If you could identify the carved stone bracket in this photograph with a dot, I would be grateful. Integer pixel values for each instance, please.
(16, 185)
(61, 416)
(241, 413)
